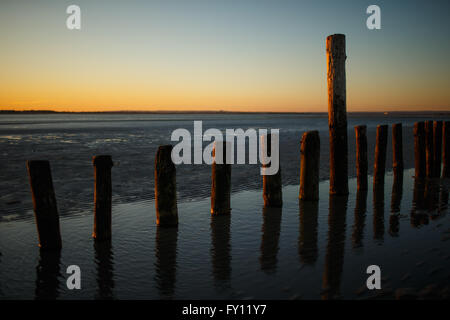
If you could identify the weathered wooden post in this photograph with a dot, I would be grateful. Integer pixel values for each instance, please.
(397, 148)
(102, 197)
(437, 147)
(446, 149)
(380, 156)
(419, 150)
(221, 179)
(361, 157)
(429, 144)
(165, 188)
(309, 170)
(272, 187)
(44, 203)
(337, 114)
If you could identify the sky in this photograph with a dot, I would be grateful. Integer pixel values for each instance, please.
(234, 55)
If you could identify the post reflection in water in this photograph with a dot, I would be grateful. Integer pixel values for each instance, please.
(360, 218)
(378, 213)
(334, 257)
(418, 212)
(166, 260)
(47, 275)
(432, 197)
(396, 199)
(307, 241)
(443, 199)
(104, 262)
(1, 291)
(220, 250)
(270, 239)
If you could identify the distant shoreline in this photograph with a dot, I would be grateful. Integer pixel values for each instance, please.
(351, 113)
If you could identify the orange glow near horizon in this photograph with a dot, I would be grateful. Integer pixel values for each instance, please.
(215, 56)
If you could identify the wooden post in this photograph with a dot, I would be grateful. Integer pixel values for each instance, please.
(221, 180)
(419, 150)
(102, 197)
(437, 147)
(397, 148)
(165, 188)
(44, 203)
(272, 187)
(309, 170)
(446, 149)
(380, 156)
(429, 144)
(361, 157)
(337, 114)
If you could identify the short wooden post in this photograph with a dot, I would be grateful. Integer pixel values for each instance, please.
(309, 170)
(44, 203)
(221, 180)
(437, 148)
(337, 114)
(419, 150)
(361, 157)
(397, 148)
(429, 146)
(272, 187)
(380, 156)
(165, 188)
(446, 149)
(102, 197)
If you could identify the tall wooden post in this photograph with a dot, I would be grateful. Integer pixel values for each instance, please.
(44, 203)
(337, 114)
(221, 180)
(272, 187)
(380, 156)
(102, 197)
(397, 148)
(437, 148)
(446, 149)
(419, 150)
(361, 157)
(309, 170)
(429, 147)
(165, 188)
